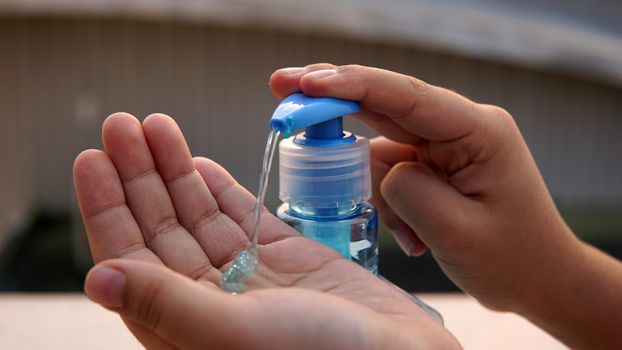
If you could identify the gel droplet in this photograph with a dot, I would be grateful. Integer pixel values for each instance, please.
(232, 280)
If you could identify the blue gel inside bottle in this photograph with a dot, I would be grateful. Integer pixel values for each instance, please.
(351, 231)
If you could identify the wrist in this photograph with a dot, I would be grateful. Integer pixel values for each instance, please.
(573, 300)
(554, 271)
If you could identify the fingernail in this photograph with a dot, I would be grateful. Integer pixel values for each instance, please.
(292, 70)
(404, 241)
(105, 286)
(323, 73)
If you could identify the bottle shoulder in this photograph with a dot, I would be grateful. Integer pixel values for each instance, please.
(364, 211)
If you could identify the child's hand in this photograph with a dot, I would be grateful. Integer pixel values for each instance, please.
(461, 178)
(458, 177)
(178, 222)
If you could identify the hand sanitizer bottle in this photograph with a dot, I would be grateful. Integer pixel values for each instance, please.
(325, 180)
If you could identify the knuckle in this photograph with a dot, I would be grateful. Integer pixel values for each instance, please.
(499, 115)
(359, 80)
(418, 90)
(319, 66)
(419, 86)
(145, 307)
(500, 121)
(164, 226)
(351, 67)
(358, 72)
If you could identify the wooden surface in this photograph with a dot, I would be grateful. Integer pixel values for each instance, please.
(70, 321)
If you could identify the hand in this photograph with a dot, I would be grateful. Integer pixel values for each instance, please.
(451, 174)
(456, 176)
(172, 224)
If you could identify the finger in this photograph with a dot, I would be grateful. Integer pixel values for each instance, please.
(427, 203)
(149, 201)
(387, 127)
(390, 152)
(239, 204)
(111, 229)
(406, 238)
(425, 110)
(196, 208)
(384, 155)
(165, 302)
(285, 81)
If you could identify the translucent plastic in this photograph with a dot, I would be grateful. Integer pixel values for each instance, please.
(352, 231)
(324, 173)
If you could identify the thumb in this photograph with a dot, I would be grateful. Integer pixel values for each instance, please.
(428, 204)
(183, 312)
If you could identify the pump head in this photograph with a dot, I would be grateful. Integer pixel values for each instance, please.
(320, 116)
(325, 167)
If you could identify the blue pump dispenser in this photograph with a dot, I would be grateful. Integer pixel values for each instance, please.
(325, 181)
(321, 116)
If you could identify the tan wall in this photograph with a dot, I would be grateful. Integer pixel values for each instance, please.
(60, 78)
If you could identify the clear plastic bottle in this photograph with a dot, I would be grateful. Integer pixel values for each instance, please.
(325, 184)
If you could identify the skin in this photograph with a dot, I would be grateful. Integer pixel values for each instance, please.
(449, 175)
(162, 228)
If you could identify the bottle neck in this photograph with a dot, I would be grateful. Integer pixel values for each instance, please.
(321, 214)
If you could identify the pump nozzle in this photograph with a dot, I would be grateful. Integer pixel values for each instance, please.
(321, 116)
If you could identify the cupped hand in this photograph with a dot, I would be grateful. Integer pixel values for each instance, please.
(163, 226)
(455, 176)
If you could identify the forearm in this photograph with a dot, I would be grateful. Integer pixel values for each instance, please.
(579, 300)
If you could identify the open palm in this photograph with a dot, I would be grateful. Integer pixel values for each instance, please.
(177, 223)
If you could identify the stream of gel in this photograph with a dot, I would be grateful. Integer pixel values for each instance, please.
(232, 280)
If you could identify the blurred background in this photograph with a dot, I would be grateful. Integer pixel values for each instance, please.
(65, 65)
